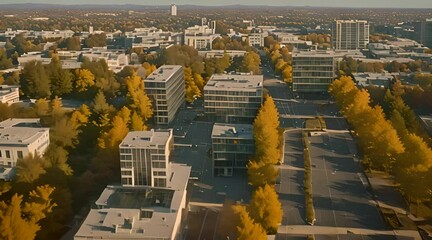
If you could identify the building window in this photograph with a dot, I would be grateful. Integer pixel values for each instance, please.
(160, 182)
(0, 153)
(7, 154)
(20, 154)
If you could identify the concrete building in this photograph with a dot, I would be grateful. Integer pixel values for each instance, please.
(144, 158)
(383, 80)
(150, 203)
(350, 34)
(233, 98)
(9, 94)
(166, 88)
(139, 212)
(20, 137)
(233, 145)
(313, 71)
(201, 37)
(256, 37)
(173, 10)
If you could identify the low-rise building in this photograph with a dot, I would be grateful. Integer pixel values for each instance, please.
(151, 202)
(232, 147)
(166, 88)
(383, 80)
(139, 212)
(9, 94)
(21, 137)
(256, 37)
(233, 98)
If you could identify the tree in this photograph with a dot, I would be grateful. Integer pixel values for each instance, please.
(137, 123)
(5, 62)
(96, 40)
(42, 107)
(29, 168)
(149, 68)
(19, 220)
(119, 130)
(266, 209)
(261, 173)
(57, 156)
(248, 229)
(138, 99)
(251, 63)
(100, 104)
(84, 79)
(35, 82)
(191, 89)
(73, 44)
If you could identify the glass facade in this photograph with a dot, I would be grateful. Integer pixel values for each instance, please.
(313, 73)
(232, 106)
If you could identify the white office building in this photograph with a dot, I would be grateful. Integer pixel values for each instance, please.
(20, 137)
(144, 157)
(139, 212)
(166, 88)
(173, 10)
(9, 94)
(350, 34)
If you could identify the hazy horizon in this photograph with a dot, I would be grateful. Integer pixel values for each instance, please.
(299, 3)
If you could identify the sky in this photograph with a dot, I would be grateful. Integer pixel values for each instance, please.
(317, 3)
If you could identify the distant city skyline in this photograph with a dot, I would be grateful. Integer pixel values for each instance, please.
(312, 3)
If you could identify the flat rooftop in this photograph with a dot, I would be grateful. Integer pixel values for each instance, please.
(329, 53)
(146, 139)
(20, 131)
(163, 73)
(139, 212)
(234, 81)
(7, 89)
(240, 131)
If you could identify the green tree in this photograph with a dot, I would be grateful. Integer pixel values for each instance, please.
(30, 168)
(96, 40)
(35, 82)
(251, 63)
(100, 104)
(5, 62)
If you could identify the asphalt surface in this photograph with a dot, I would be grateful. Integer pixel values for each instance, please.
(339, 187)
(290, 189)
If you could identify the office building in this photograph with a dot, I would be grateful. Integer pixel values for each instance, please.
(201, 37)
(173, 10)
(21, 137)
(314, 71)
(9, 94)
(233, 98)
(144, 157)
(139, 212)
(166, 89)
(232, 147)
(256, 37)
(426, 33)
(350, 34)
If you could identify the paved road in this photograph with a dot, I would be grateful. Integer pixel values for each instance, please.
(339, 186)
(290, 189)
(345, 233)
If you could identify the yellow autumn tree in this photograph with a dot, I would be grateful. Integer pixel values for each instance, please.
(191, 89)
(266, 209)
(119, 130)
(138, 99)
(84, 79)
(20, 220)
(247, 228)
